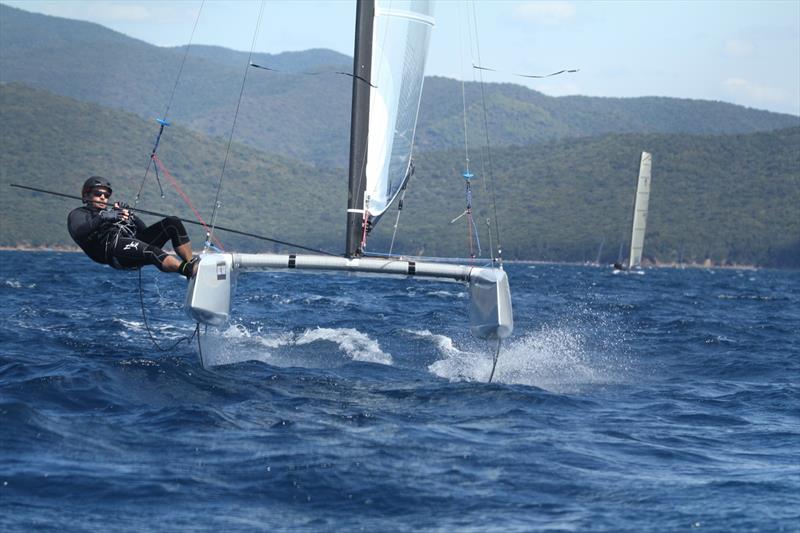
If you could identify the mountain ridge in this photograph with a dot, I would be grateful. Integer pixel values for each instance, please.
(306, 117)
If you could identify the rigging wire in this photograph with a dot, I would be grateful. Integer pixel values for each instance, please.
(233, 126)
(163, 121)
(150, 332)
(488, 143)
(467, 175)
(400, 205)
(470, 36)
(176, 185)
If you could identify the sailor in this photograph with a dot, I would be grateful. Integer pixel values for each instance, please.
(112, 235)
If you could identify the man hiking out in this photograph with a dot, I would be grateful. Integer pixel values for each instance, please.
(112, 235)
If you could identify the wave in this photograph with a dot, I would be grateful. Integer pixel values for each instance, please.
(237, 343)
(14, 284)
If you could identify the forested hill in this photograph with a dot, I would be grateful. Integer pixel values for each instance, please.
(727, 198)
(307, 117)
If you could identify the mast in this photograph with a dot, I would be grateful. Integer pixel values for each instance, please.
(359, 125)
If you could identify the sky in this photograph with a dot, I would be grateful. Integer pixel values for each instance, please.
(738, 51)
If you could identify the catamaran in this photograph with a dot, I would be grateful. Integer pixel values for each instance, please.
(640, 207)
(388, 70)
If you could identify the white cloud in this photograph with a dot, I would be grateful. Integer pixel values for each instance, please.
(546, 12)
(754, 93)
(738, 48)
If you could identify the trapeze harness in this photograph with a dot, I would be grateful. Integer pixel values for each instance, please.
(125, 245)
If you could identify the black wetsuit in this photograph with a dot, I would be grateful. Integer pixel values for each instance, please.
(125, 245)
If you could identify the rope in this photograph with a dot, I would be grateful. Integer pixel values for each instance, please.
(564, 71)
(280, 71)
(163, 121)
(233, 126)
(147, 324)
(176, 185)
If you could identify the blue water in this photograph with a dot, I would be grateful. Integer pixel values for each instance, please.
(662, 402)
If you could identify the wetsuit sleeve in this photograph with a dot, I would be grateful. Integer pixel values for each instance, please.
(81, 224)
(140, 226)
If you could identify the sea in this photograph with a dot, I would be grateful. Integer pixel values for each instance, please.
(666, 401)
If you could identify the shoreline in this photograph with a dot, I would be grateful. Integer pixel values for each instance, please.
(706, 264)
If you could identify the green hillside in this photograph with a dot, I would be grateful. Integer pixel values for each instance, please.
(306, 117)
(728, 198)
(732, 199)
(53, 142)
(517, 115)
(297, 115)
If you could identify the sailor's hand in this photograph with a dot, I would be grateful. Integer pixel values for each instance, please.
(110, 215)
(122, 209)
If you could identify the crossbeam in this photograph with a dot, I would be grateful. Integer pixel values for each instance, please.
(209, 295)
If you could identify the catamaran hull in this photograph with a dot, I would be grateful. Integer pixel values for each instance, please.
(490, 314)
(208, 299)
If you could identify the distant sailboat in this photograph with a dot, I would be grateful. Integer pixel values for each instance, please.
(390, 51)
(640, 208)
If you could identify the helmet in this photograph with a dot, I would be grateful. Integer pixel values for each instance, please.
(94, 182)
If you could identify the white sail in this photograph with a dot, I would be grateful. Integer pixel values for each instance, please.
(640, 211)
(400, 46)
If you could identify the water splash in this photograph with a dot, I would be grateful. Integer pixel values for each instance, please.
(237, 343)
(355, 344)
(15, 284)
(557, 358)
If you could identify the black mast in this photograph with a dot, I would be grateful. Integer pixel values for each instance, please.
(359, 125)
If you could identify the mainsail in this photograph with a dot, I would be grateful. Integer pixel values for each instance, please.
(640, 211)
(389, 65)
(400, 43)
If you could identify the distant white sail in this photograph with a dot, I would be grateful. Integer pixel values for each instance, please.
(400, 46)
(640, 211)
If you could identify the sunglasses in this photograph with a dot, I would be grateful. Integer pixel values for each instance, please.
(98, 194)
